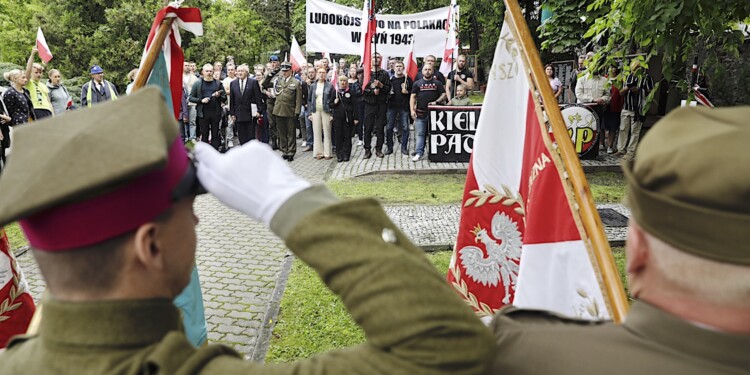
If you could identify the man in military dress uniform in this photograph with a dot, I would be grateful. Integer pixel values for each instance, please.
(288, 105)
(117, 243)
(688, 251)
(269, 81)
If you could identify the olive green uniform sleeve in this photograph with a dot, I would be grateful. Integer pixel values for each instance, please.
(413, 322)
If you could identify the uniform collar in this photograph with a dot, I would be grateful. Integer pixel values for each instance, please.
(653, 324)
(108, 323)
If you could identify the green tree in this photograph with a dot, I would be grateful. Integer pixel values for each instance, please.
(18, 29)
(234, 30)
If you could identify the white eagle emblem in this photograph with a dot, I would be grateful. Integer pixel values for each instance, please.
(503, 253)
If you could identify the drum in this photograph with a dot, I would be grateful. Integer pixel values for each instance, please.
(584, 126)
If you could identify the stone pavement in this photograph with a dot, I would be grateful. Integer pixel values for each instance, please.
(244, 267)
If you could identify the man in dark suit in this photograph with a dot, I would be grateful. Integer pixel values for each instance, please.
(243, 93)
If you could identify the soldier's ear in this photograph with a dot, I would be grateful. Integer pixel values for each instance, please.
(638, 251)
(636, 248)
(147, 247)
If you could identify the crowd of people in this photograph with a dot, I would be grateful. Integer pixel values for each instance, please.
(618, 100)
(223, 104)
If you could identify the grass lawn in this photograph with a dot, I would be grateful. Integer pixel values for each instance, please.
(312, 320)
(412, 189)
(15, 236)
(607, 187)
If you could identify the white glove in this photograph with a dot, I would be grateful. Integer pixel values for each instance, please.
(251, 178)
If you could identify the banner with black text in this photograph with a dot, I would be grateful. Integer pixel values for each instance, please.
(335, 28)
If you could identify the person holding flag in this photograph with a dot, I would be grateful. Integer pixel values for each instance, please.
(37, 90)
(375, 97)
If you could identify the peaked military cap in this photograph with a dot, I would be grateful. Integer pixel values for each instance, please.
(286, 65)
(689, 184)
(91, 175)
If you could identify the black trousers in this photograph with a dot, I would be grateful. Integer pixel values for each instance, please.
(245, 130)
(342, 136)
(375, 119)
(209, 124)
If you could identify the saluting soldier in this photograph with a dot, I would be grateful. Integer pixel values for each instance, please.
(288, 91)
(688, 263)
(269, 81)
(117, 243)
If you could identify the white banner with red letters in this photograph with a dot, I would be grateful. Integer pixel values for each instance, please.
(335, 28)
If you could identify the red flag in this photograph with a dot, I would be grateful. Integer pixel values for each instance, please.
(41, 44)
(297, 56)
(519, 241)
(410, 64)
(185, 18)
(16, 305)
(369, 27)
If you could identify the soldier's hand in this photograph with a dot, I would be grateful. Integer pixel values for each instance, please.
(266, 183)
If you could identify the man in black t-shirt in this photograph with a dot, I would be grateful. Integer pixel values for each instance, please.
(431, 60)
(398, 109)
(460, 76)
(425, 92)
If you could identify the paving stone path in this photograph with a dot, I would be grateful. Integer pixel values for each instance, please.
(244, 267)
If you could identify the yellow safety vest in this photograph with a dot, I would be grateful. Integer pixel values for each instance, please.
(88, 93)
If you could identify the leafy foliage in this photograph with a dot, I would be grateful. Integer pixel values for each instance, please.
(671, 31)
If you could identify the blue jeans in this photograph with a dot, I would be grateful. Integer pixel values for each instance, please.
(420, 130)
(403, 117)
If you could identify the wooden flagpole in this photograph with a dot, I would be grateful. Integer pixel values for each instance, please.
(153, 53)
(614, 291)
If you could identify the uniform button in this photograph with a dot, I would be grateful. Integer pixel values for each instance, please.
(389, 235)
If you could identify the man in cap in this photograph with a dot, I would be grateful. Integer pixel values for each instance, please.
(97, 89)
(286, 110)
(117, 243)
(269, 86)
(688, 263)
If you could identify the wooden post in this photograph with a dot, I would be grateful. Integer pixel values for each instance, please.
(153, 53)
(614, 292)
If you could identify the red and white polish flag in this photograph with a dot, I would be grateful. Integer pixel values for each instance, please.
(185, 18)
(41, 44)
(297, 57)
(519, 242)
(410, 64)
(16, 305)
(451, 41)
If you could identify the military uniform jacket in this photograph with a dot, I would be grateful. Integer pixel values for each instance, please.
(414, 323)
(650, 341)
(268, 83)
(288, 97)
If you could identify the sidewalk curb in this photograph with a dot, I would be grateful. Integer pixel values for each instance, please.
(263, 341)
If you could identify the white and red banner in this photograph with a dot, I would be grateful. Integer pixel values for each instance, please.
(297, 57)
(16, 305)
(335, 28)
(519, 242)
(41, 44)
(451, 41)
(185, 18)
